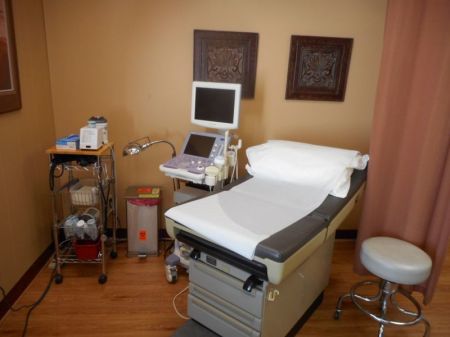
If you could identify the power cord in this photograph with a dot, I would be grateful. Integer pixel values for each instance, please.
(9, 305)
(30, 307)
(174, 305)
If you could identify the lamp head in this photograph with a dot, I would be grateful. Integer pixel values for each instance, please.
(131, 150)
(137, 146)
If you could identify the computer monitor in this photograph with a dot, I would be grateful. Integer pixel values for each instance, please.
(216, 105)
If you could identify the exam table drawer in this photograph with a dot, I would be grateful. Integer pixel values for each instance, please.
(226, 287)
(218, 321)
(224, 306)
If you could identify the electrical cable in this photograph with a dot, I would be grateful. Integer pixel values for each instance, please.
(234, 166)
(35, 304)
(175, 307)
(52, 176)
(9, 305)
(30, 307)
(237, 166)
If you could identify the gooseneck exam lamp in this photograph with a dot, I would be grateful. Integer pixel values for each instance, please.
(137, 146)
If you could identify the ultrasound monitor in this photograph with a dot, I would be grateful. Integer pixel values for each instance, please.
(199, 145)
(216, 105)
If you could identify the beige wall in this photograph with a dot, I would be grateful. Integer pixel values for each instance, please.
(131, 61)
(25, 217)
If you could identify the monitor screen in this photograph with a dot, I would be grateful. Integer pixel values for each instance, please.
(216, 105)
(199, 145)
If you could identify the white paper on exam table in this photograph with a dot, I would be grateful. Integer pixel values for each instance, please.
(250, 212)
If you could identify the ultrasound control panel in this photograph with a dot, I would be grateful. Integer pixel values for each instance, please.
(198, 152)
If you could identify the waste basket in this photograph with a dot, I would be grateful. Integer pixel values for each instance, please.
(142, 221)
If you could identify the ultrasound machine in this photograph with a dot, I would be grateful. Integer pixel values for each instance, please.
(205, 157)
(215, 106)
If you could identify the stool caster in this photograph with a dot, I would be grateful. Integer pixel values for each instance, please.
(337, 314)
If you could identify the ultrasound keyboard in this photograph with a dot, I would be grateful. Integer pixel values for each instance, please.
(198, 152)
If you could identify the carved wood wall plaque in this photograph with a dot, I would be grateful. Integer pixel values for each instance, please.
(318, 68)
(226, 57)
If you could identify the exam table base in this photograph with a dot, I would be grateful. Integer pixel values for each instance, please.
(215, 301)
(194, 329)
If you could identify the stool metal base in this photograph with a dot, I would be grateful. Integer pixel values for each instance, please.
(387, 293)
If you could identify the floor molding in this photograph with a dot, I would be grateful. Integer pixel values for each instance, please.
(346, 234)
(25, 280)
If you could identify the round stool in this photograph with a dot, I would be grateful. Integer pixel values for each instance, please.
(395, 262)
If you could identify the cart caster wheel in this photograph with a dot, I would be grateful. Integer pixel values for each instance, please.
(102, 279)
(58, 278)
(171, 274)
(337, 315)
(113, 254)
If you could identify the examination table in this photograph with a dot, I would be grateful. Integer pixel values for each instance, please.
(273, 294)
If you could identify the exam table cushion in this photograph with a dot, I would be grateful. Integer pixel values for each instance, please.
(283, 244)
(240, 218)
(303, 164)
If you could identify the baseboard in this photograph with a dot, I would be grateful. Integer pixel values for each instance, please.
(25, 280)
(346, 234)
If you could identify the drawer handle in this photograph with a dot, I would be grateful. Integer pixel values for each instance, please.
(251, 282)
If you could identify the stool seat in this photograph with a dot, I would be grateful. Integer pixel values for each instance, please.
(395, 260)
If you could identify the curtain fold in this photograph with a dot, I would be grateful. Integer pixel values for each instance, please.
(408, 187)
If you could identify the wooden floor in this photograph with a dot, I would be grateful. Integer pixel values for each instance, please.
(137, 301)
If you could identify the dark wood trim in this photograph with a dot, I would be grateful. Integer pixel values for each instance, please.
(25, 280)
(346, 234)
(10, 94)
(318, 68)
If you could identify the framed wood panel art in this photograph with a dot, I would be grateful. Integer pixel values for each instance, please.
(9, 79)
(318, 68)
(226, 57)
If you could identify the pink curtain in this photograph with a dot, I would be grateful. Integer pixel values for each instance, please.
(408, 188)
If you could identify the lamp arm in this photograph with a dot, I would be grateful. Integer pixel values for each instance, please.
(174, 152)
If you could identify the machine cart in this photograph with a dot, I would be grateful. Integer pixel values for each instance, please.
(84, 203)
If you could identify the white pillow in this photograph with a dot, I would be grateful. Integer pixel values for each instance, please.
(305, 164)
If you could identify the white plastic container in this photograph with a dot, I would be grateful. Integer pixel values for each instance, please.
(84, 195)
(100, 122)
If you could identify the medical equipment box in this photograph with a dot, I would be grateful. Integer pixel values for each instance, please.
(71, 142)
(142, 220)
(91, 138)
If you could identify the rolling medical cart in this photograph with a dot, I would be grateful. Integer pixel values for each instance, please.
(84, 202)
